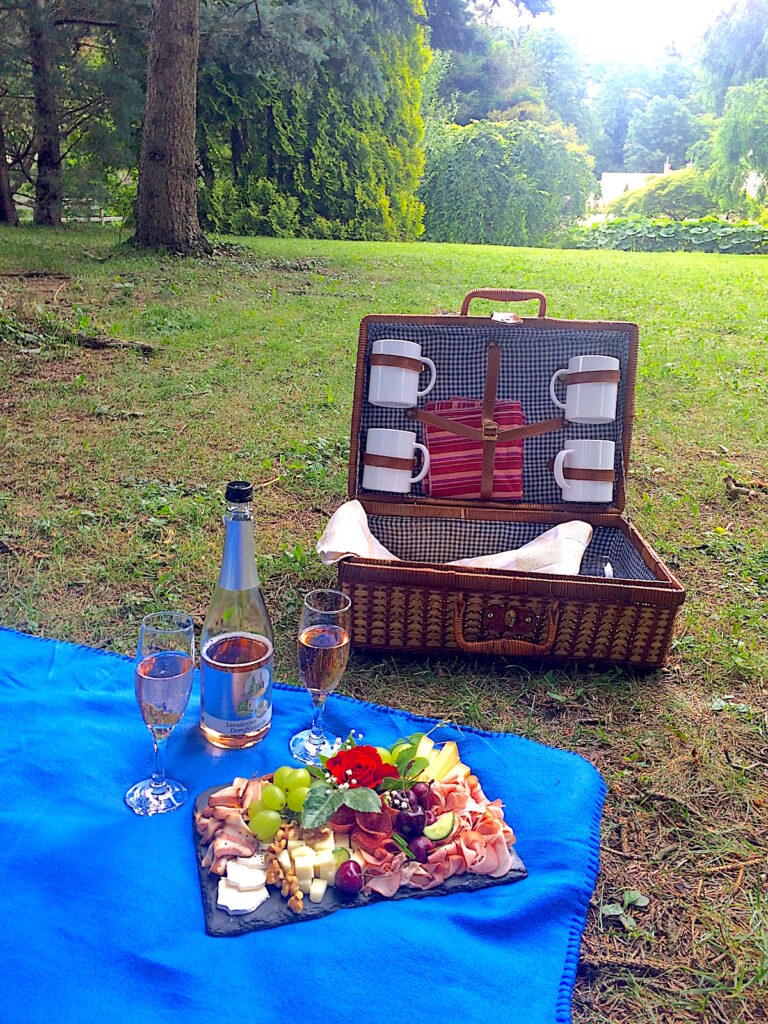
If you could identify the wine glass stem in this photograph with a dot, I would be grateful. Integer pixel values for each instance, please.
(316, 735)
(158, 769)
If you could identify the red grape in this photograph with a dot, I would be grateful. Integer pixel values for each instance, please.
(411, 823)
(349, 878)
(421, 791)
(421, 847)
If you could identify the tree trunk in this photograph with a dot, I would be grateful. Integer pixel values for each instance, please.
(48, 186)
(166, 206)
(8, 213)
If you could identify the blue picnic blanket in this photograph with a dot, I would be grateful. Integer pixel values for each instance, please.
(102, 918)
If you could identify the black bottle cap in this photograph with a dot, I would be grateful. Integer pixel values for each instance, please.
(239, 492)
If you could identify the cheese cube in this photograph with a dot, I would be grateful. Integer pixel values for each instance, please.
(306, 885)
(304, 872)
(317, 890)
(285, 860)
(303, 852)
(292, 844)
(341, 839)
(325, 866)
(326, 843)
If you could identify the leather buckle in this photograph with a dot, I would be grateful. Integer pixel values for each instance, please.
(490, 431)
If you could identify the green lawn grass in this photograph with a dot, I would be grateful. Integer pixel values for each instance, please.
(111, 494)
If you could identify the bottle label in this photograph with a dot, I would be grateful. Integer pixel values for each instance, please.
(236, 673)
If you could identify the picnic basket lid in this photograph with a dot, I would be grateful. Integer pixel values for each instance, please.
(531, 350)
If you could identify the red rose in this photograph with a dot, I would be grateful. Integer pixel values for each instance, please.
(360, 766)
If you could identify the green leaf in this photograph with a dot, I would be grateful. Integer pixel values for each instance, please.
(415, 738)
(628, 921)
(398, 840)
(362, 799)
(320, 804)
(404, 759)
(316, 772)
(416, 767)
(611, 910)
(633, 898)
(389, 784)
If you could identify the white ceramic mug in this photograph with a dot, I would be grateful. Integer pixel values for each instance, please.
(591, 402)
(590, 455)
(397, 387)
(382, 443)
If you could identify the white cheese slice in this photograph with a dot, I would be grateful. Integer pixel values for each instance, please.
(256, 861)
(317, 890)
(235, 902)
(246, 879)
(285, 860)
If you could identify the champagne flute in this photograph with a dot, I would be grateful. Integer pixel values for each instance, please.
(165, 668)
(324, 635)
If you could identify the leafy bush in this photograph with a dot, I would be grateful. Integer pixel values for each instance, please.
(510, 183)
(253, 207)
(681, 195)
(641, 234)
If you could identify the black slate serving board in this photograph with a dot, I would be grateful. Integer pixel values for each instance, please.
(274, 911)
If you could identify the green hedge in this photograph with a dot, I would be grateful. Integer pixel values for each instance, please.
(639, 234)
(681, 195)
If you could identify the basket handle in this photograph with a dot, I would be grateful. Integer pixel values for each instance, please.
(510, 646)
(504, 295)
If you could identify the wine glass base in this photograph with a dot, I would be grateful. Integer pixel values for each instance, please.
(307, 752)
(144, 799)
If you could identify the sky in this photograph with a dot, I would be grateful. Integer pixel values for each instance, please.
(628, 31)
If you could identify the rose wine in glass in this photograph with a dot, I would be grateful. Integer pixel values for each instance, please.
(324, 640)
(163, 676)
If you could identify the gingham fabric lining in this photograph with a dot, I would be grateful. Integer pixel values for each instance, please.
(529, 358)
(445, 540)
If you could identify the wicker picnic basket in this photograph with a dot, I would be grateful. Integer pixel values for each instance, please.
(420, 604)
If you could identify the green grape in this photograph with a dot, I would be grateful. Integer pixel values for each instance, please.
(254, 807)
(296, 797)
(386, 756)
(281, 776)
(272, 797)
(298, 779)
(397, 750)
(265, 824)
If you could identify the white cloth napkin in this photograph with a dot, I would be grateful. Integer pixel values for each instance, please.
(559, 551)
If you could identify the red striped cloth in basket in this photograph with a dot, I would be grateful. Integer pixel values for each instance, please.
(456, 463)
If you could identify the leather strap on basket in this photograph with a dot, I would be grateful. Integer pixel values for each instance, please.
(490, 426)
(601, 476)
(387, 462)
(489, 435)
(592, 377)
(401, 362)
(510, 646)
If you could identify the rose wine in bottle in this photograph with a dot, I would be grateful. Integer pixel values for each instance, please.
(237, 641)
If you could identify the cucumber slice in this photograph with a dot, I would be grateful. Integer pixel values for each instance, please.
(340, 854)
(441, 828)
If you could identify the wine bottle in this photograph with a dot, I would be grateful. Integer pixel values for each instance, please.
(237, 641)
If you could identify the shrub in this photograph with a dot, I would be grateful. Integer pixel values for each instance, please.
(509, 183)
(681, 195)
(643, 235)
